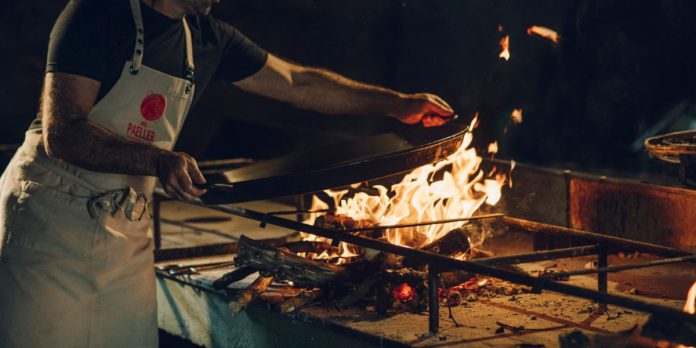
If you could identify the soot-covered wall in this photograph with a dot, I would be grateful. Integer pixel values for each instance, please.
(622, 71)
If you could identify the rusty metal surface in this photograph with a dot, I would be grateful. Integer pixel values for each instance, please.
(537, 194)
(648, 213)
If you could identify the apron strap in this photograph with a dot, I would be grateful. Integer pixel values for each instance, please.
(190, 67)
(137, 58)
(139, 49)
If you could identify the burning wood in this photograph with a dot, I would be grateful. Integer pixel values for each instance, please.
(281, 264)
(544, 33)
(454, 242)
(403, 293)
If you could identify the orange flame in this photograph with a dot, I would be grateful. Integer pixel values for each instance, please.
(493, 148)
(403, 292)
(461, 190)
(505, 46)
(690, 305)
(543, 32)
(516, 116)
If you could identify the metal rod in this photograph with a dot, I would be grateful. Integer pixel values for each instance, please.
(191, 269)
(198, 229)
(445, 263)
(436, 222)
(290, 212)
(602, 276)
(537, 227)
(539, 255)
(433, 301)
(605, 269)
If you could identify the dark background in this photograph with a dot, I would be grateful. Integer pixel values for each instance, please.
(623, 71)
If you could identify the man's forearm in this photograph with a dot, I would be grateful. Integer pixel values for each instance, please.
(92, 147)
(328, 92)
(71, 137)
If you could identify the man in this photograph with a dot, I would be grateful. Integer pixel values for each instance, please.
(76, 264)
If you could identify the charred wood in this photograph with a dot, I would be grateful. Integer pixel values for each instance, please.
(241, 299)
(284, 265)
(232, 277)
(299, 301)
(307, 247)
(454, 242)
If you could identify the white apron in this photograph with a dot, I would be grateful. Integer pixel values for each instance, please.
(76, 260)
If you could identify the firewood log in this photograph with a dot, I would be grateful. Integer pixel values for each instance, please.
(233, 276)
(307, 247)
(454, 242)
(300, 301)
(241, 299)
(284, 265)
(360, 292)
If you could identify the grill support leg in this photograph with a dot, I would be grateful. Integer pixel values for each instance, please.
(433, 301)
(602, 282)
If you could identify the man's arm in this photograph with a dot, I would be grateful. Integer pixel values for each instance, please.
(68, 135)
(328, 92)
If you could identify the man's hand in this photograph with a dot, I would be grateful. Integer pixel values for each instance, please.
(178, 172)
(427, 108)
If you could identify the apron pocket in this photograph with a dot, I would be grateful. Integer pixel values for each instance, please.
(49, 220)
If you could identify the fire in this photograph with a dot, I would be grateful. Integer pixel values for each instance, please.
(516, 116)
(452, 188)
(493, 147)
(543, 32)
(403, 292)
(690, 305)
(505, 46)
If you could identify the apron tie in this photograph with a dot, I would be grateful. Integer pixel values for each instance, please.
(134, 203)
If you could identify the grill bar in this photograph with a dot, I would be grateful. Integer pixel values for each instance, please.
(427, 223)
(441, 263)
(539, 255)
(602, 267)
(537, 227)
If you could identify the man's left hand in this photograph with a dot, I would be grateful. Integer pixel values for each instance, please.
(428, 109)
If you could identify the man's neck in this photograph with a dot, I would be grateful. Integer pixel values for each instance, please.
(166, 7)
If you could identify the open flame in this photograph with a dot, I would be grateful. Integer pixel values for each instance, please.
(452, 188)
(505, 47)
(516, 116)
(543, 32)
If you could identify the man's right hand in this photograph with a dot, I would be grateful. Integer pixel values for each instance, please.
(178, 172)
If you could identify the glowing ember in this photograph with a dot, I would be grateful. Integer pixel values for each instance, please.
(500, 28)
(516, 116)
(505, 46)
(543, 32)
(403, 293)
(460, 190)
(690, 305)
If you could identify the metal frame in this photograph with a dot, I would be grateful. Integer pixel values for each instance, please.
(439, 263)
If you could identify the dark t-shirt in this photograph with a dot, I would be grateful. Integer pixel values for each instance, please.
(94, 38)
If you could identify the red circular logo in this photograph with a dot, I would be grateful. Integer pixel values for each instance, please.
(152, 107)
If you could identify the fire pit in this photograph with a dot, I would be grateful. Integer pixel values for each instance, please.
(419, 248)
